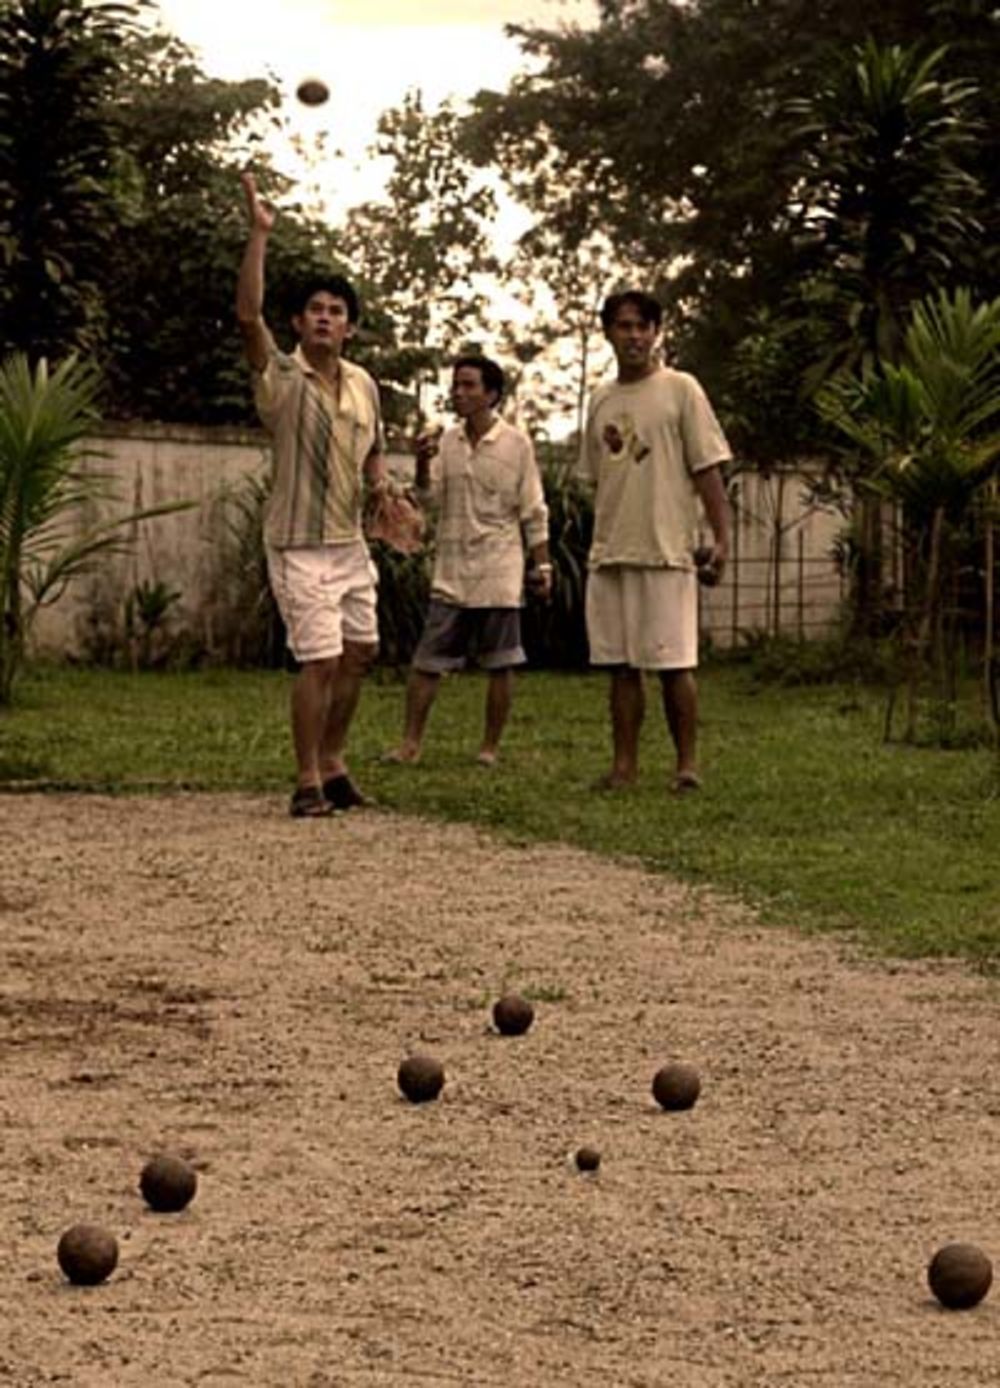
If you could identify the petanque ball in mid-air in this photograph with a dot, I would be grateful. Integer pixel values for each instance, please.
(420, 1078)
(587, 1159)
(676, 1086)
(168, 1184)
(512, 1014)
(87, 1254)
(312, 91)
(960, 1275)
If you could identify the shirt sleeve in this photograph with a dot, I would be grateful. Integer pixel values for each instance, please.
(534, 512)
(705, 444)
(272, 385)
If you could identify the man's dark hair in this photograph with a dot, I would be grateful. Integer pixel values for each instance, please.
(336, 285)
(491, 372)
(648, 307)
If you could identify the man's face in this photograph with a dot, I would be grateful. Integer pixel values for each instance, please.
(468, 394)
(323, 322)
(633, 340)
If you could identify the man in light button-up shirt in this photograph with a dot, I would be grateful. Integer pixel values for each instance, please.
(491, 510)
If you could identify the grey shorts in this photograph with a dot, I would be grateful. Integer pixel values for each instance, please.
(452, 636)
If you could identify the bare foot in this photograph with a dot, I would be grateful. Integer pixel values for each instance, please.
(685, 781)
(613, 780)
(402, 756)
(486, 758)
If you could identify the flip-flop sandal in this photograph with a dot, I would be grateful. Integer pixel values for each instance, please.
(309, 802)
(686, 781)
(343, 794)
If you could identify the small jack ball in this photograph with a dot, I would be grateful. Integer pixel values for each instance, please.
(168, 1184)
(512, 1014)
(87, 1254)
(588, 1159)
(960, 1275)
(676, 1086)
(420, 1078)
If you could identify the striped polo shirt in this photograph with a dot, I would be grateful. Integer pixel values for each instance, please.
(321, 439)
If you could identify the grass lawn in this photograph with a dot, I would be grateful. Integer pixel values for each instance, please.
(805, 812)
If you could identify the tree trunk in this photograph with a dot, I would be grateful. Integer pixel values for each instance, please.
(867, 615)
(929, 617)
(989, 650)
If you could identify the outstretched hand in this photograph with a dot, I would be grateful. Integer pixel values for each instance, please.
(262, 215)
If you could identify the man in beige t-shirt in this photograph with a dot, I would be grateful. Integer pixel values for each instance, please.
(654, 449)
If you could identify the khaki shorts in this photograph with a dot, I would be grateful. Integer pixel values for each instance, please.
(327, 594)
(646, 618)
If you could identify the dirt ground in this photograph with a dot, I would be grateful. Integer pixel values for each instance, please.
(208, 977)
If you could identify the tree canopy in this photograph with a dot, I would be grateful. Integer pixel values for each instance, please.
(696, 137)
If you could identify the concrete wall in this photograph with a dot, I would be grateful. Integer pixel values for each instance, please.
(147, 465)
(151, 464)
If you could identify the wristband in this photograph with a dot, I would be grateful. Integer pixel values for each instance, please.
(543, 568)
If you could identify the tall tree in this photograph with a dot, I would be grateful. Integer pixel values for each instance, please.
(58, 63)
(121, 219)
(425, 248)
(673, 122)
(888, 198)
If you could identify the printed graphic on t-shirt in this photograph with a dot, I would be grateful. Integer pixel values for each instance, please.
(623, 441)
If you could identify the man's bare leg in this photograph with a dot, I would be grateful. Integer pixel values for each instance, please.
(421, 691)
(680, 704)
(311, 692)
(499, 698)
(345, 691)
(628, 708)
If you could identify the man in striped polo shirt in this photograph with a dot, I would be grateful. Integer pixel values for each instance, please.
(323, 415)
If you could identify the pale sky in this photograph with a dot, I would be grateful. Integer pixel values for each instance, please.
(369, 52)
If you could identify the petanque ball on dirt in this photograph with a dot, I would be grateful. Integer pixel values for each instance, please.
(588, 1159)
(960, 1275)
(676, 1086)
(512, 1014)
(87, 1254)
(420, 1078)
(312, 91)
(168, 1184)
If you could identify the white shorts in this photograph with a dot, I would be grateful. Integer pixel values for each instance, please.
(327, 594)
(646, 618)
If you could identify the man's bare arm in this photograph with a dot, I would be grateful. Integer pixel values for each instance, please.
(250, 285)
(711, 488)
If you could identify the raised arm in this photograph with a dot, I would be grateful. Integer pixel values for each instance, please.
(250, 285)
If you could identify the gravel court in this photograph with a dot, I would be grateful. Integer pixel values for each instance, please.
(205, 976)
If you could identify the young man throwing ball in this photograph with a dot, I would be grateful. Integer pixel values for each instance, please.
(491, 509)
(323, 415)
(654, 448)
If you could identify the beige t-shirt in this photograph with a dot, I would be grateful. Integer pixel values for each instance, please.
(644, 441)
(321, 441)
(491, 506)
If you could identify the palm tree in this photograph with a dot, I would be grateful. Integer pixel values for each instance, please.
(889, 204)
(930, 430)
(46, 491)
